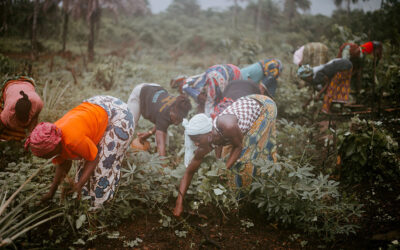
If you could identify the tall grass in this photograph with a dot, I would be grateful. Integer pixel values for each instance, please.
(12, 223)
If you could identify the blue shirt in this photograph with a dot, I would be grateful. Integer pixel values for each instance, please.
(254, 71)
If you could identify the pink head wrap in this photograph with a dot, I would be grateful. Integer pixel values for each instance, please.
(43, 139)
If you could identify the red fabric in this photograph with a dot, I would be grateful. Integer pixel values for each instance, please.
(11, 95)
(226, 102)
(367, 47)
(43, 139)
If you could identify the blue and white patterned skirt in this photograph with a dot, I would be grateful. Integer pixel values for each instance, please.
(103, 184)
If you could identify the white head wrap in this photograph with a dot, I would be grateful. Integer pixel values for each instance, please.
(298, 56)
(198, 125)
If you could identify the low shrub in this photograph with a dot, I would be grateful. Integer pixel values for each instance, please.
(368, 153)
(292, 194)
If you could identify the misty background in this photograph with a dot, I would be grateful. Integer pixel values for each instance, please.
(323, 7)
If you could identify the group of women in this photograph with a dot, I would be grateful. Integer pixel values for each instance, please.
(236, 114)
(333, 78)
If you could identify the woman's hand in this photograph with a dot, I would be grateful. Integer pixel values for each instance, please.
(76, 188)
(143, 136)
(178, 208)
(45, 198)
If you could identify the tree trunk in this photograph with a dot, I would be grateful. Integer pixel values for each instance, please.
(235, 13)
(5, 6)
(92, 23)
(65, 24)
(348, 8)
(259, 9)
(34, 30)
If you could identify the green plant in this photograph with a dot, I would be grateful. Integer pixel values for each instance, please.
(105, 74)
(52, 95)
(292, 194)
(12, 223)
(368, 153)
(290, 135)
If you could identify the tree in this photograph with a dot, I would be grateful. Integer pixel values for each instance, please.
(93, 19)
(34, 30)
(338, 4)
(66, 12)
(291, 7)
(185, 7)
(235, 11)
(91, 11)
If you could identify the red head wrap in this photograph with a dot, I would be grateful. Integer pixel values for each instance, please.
(43, 139)
(367, 48)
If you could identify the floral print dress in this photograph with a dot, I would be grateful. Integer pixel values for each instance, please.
(103, 184)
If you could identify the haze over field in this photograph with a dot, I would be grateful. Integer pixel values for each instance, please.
(324, 7)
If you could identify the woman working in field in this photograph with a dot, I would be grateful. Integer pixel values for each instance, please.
(97, 132)
(206, 89)
(313, 54)
(20, 106)
(332, 78)
(235, 90)
(265, 71)
(154, 103)
(248, 125)
(356, 54)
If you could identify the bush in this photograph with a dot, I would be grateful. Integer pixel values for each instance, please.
(292, 195)
(368, 153)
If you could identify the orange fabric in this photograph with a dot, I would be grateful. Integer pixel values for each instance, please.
(338, 90)
(82, 129)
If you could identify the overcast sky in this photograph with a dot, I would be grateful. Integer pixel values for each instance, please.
(324, 7)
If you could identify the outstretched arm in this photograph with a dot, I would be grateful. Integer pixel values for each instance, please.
(187, 179)
(33, 123)
(145, 135)
(61, 171)
(87, 171)
(231, 131)
(326, 80)
(161, 140)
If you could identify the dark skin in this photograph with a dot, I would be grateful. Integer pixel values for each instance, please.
(161, 136)
(201, 100)
(309, 79)
(263, 91)
(33, 123)
(63, 169)
(231, 134)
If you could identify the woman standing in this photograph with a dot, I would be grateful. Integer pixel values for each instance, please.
(20, 106)
(248, 125)
(97, 133)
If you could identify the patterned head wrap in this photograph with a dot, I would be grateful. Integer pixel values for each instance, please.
(304, 71)
(272, 70)
(198, 125)
(20, 78)
(43, 139)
